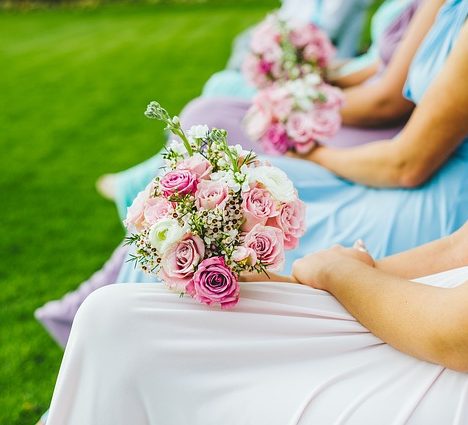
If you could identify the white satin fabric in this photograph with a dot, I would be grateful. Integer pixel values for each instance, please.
(286, 355)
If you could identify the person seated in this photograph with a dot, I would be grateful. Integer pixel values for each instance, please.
(389, 185)
(354, 341)
(374, 107)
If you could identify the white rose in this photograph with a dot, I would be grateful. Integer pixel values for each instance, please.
(275, 181)
(198, 131)
(166, 232)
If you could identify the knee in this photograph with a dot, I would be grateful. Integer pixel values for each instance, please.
(198, 111)
(102, 314)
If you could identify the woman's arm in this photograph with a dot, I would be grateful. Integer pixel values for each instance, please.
(444, 254)
(427, 322)
(355, 78)
(382, 102)
(434, 131)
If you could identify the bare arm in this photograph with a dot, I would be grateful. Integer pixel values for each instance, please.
(434, 131)
(444, 254)
(427, 322)
(382, 102)
(355, 78)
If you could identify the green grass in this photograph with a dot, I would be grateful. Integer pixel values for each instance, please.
(73, 88)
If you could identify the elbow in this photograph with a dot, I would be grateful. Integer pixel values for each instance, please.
(391, 108)
(410, 171)
(407, 174)
(452, 358)
(458, 363)
(410, 179)
(450, 342)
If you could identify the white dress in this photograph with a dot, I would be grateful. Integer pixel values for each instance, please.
(286, 355)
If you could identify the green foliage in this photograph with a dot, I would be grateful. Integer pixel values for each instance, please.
(73, 88)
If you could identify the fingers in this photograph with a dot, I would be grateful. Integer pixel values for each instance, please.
(360, 246)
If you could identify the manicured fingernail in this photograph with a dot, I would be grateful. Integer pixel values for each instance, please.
(360, 245)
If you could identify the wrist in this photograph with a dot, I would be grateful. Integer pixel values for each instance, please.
(325, 275)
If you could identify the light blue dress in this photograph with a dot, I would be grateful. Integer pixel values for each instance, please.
(388, 220)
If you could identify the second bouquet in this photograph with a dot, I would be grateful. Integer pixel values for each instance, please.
(294, 115)
(215, 212)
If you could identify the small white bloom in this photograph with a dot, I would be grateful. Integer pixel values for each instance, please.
(312, 79)
(175, 120)
(222, 162)
(275, 181)
(177, 147)
(235, 187)
(218, 176)
(166, 232)
(198, 131)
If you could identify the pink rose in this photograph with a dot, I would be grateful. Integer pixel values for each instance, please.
(179, 262)
(304, 148)
(257, 207)
(250, 68)
(274, 56)
(280, 102)
(264, 66)
(334, 96)
(256, 122)
(211, 194)
(180, 182)
(300, 127)
(275, 140)
(245, 255)
(303, 35)
(291, 220)
(325, 123)
(265, 36)
(197, 165)
(214, 283)
(313, 53)
(267, 242)
(135, 213)
(155, 209)
(325, 49)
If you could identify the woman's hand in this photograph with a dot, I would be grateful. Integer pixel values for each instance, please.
(313, 268)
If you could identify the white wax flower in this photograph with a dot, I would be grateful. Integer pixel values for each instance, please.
(198, 131)
(177, 147)
(275, 181)
(166, 232)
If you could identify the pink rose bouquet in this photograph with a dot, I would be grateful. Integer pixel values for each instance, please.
(294, 115)
(284, 50)
(214, 212)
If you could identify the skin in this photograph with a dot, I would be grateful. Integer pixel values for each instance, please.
(355, 78)
(436, 128)
(427, 322)
(382, 102)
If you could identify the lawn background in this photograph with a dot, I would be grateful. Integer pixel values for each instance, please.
(74, 83)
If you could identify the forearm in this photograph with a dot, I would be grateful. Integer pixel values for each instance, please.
(374, 164)
(353, 79)
(412, 317)
(434, 257)
(372, 105)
